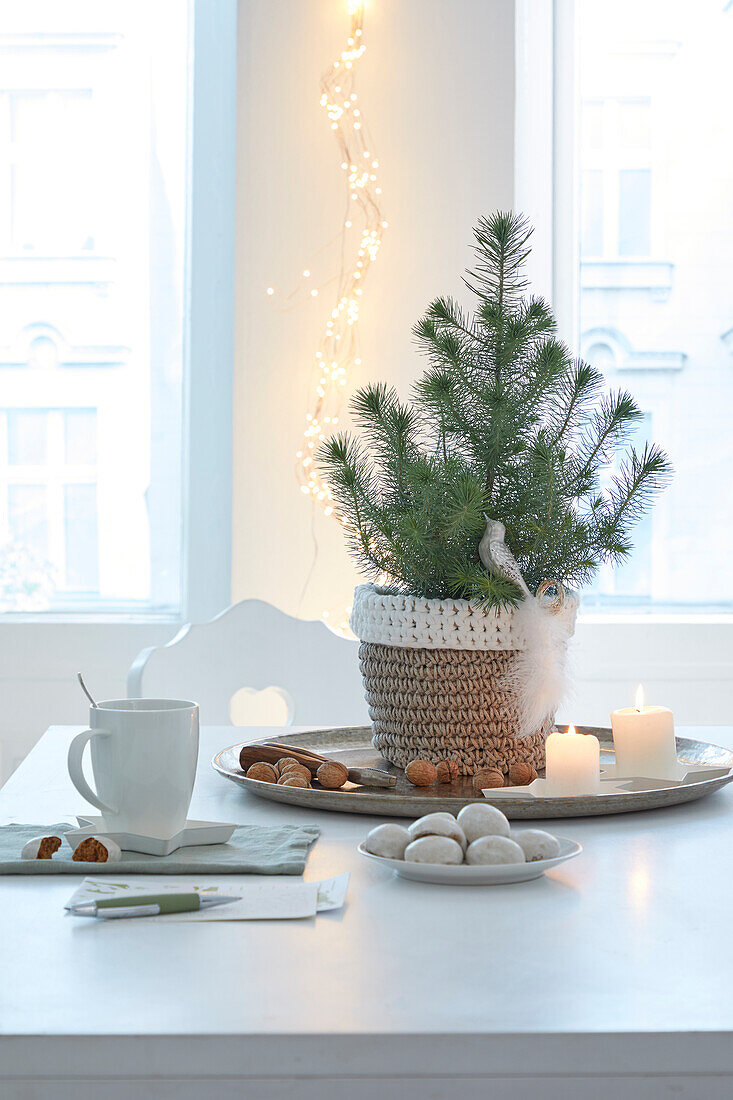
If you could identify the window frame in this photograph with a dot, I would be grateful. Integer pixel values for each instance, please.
(209, 315)
(208, 350)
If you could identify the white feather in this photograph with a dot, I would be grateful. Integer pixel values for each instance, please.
(539, 673)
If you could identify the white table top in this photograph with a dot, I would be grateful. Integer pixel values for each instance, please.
(630, 939)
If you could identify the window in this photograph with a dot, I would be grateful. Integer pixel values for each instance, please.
(653, 264)
(94, 202)
(48, 494)
(592, 231)
(616, 178)
(634, 251)
(52, 176)
(634, 211)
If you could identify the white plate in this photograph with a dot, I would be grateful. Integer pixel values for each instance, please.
(464, 874)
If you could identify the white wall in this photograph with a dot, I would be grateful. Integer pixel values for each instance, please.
(436, 88)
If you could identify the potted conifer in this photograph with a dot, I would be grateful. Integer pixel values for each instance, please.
(477, 508)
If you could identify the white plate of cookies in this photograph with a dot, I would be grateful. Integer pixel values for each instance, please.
(476, 848)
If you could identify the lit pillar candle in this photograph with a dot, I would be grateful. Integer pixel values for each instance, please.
(572, 763)
(643, 738)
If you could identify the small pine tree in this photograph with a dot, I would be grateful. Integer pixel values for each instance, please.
(502, 422)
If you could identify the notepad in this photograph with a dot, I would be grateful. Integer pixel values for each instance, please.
(273, 899)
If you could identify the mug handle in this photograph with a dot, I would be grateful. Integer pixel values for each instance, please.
(76, 769)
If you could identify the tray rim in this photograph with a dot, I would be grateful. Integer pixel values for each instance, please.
(376, 802)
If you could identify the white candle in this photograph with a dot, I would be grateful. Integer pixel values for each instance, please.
(572, 764)
(643, 738)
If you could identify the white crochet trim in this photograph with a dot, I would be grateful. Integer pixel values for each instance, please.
(387, 618)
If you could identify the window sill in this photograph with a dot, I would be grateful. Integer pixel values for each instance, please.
(653, 276)
(77, 270)
(133, 619)
(656, 618)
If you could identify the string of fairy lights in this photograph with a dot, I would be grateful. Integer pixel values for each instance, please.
(361, 238)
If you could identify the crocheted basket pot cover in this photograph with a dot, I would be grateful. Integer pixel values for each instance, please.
(434, 672)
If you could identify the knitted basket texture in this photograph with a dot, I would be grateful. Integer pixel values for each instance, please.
(435, 672)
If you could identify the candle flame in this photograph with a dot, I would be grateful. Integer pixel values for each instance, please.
(639, 698)
(571, 730)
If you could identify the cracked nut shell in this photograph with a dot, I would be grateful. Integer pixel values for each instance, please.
(447, 771)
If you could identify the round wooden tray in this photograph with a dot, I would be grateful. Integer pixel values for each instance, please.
(353, 745)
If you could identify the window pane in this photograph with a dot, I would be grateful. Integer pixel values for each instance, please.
(634, 208)
(81, 537)
(53, 175)
(80, 430)
(94, 115)
(27, 437)
(659, 323)
(27, 518)
(634, 121)
(592, 199)
(631, 581)
(591, 133)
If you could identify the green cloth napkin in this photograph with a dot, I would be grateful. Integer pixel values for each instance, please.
(252, 850)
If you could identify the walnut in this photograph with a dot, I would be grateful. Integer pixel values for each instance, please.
(332, 774)
(447, 771)
(293, 781)
(262, 771)
(296, 769)
(488, 777)
(283, 763)
(521, 775)
(421, 773)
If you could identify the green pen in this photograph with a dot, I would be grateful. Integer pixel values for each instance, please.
(150, 905)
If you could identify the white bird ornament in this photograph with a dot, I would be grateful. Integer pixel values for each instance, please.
(538, 674)
(497, 557)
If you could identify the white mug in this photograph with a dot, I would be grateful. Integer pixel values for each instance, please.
(144, 754)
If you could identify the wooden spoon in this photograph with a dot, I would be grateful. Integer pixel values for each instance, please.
(272, 751)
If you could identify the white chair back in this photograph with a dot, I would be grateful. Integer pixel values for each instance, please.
(254, 645)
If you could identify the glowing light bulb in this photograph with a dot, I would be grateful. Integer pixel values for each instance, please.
(314, 293)
(271, 290)
(306, 274)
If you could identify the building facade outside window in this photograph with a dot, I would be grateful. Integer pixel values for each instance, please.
(654, 170)
(94, 124)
